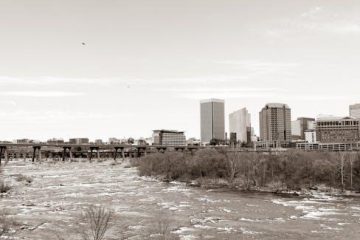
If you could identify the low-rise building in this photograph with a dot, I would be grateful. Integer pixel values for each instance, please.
(310, 136)
(23, 141)
(334, 147)
(169, 138)
(114, 140)
(338, 130)
(354, 110)
(55, 141)
(78, 140)
(193, 142)
(299, 126)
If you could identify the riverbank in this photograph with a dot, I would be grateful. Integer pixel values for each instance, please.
(290, 172)
(221, 186)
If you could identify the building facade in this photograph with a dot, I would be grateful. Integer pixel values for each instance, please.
(55, 141)
(78, 140)
(310, 136)
(169, 138)
(299, 126)
(240, 124)
(212, 120)
(337, 130)
(355, 110)
(275, 123)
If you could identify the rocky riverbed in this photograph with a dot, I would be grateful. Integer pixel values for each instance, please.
(51, 205)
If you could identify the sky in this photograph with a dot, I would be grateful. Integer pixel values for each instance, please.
(121, 68)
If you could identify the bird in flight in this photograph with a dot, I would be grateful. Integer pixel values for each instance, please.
(83, 43)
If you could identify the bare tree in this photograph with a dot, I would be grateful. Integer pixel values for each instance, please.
(342, 160)
(352, 157)
(96, 222)
(233, 166)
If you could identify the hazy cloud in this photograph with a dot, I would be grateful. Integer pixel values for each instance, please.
(40, 94)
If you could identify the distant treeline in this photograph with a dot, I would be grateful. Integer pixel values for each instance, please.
(291, 170)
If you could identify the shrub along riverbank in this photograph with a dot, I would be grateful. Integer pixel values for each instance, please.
(288, 171)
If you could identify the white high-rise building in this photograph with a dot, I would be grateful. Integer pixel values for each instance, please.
(212, 120)
(240, 123)
(355, 110)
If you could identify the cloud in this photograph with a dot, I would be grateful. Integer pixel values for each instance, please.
(40, 94)
(313, 11)
(317, 19)
(260, 65)
(20, 115)
(336, 27)
(201, 93)
(48, 80)
(266, 94)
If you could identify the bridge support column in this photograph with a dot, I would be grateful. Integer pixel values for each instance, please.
(6, 155)
(39, 154)
(36, 149)
(33, 156)
(91, 153)
(123, 153)
(70, 153)
(115, 153)
(64, 154)
(92, 150)
(1, 152)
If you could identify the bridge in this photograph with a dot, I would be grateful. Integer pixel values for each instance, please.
(64, 151)
(36, 151)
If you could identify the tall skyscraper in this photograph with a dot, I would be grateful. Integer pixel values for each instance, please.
(212, 119)
(355, 110)
(240, 124)
(275, 123)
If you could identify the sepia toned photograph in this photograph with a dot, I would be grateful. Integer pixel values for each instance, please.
(179, 119)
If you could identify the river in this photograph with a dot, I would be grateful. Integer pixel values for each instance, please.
(52, 204)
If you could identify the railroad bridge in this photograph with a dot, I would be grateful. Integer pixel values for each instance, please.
(38, 151)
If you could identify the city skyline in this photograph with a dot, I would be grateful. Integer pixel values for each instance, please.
(98, 70)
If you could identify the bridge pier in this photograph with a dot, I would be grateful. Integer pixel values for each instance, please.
(122, 153)
(138, 152)
(141, 151)
(90, 156)
(1, 152)
(179, 149)
(64, 153)
(161, 149)
(6, 155)
(36, 149)
(91, 152)
(115, 153)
